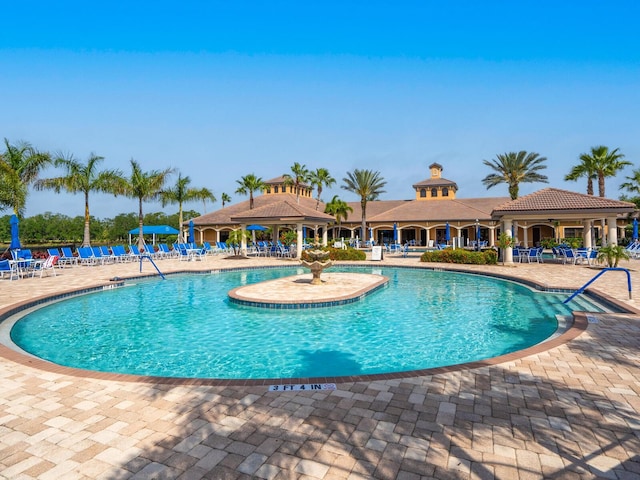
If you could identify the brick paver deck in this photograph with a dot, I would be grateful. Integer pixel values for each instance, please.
(569, 412)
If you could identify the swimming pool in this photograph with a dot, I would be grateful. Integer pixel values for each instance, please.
(186, 327)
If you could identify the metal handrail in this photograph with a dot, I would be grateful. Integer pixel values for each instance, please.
(152, 263)
(582, 289)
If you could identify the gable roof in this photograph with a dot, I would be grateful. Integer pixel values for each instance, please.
(436, 182)
(282, 211)
(554, 201)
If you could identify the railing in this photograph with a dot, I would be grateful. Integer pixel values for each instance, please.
(582, 289)
(152, 263)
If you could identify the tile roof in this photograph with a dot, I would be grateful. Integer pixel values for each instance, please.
(565, 201)
(282, 210)
(436, 182)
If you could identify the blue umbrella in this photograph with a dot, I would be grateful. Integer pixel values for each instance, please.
(395, 233)
(256, 228)
(447, 232)
(635, 229)
(15, 237)
(304, 234)
(370, 233)
(478, 235)
(192, 234)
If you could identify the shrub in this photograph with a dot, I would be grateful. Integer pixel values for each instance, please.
(350, 254)
(449, 255)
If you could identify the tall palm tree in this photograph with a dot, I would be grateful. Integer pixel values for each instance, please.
(339, 209)
(321, 178)
(633, 184)
(605, 164)
(181, 193)
(249, 184)
(20, 165)
(82, 178)
(300, 177)
(143, 186)
(585, 168)
(515, 168)
(225, 199)
(368, 185)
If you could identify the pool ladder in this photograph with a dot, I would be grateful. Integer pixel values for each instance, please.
(582, 289)
(152, 263)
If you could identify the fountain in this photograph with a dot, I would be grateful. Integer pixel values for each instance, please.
(318, 261)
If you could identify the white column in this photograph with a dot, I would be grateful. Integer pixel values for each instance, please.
(427, 236)
(525, 234)
(602, 235)
(612, 224)
(492, 236)
(217, 236)
(586, 233)
(325, 238)
(243, 241)
(508, 252)
(299, 240)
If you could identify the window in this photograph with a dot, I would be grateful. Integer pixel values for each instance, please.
(423, 192)
(275, 189)
(268, 190)
(572, 232)
(445, 192)
(434, 192)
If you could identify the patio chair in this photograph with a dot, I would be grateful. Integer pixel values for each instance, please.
(85, 256)
(48, 265)
(8, 268)
(569, 256)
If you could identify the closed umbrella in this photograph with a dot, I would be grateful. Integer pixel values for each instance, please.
(371, 234)
(15, 236)
(478, 235)
(447, 232)
(395, 233)
(192, 234)
(635, 229)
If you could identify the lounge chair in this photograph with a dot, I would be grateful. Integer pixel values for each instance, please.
(569, 256)
(85, 256)
(104, 250)
(8, 268)
(67, 257)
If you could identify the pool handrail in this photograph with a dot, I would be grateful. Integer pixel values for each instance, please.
(582, 289)
(146, 255)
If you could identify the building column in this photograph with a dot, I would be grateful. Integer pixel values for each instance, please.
(508, 252)
(325, 237)
(525, 234)
(427, 236)
(612, 225)
(299, 240)
(586, 233)
(603, 237)
(243, 240)
(492, 236)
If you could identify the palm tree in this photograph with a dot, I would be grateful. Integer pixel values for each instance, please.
(367, 185)
(585, 168)
(321, 178)
(605, 164)
(249, 184)
(339, 209)
(225, 199)
(299, 178)
(20, 165)
(143, 186)
(181, 193)
(633, 185)
(82, 178)
(515, 168)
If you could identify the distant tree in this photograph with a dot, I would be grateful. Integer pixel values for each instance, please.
(20, 165)
(368, 185)
(82, 178)
(586, 168)
(339, 209)
(515, 168)
(300, 177)
(181, 193)
(604, 164)
(143, 186)
(249, 184)
(225, 198)
(321, 178)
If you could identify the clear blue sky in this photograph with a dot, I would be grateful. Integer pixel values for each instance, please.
(222, 89)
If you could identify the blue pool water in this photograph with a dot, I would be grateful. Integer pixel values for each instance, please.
(186, 327)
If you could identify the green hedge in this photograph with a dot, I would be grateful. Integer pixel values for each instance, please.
(340, 254)
(449, 255)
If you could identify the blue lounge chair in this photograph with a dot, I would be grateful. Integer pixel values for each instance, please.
(8, 268)
(85, 256)
(67, 257)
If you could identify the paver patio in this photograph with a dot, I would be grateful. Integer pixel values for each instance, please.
(568, 412)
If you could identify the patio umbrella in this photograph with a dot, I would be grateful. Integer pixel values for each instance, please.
(192, 234)
(395, 233)
(253, 228)
(370, 233)
(447, 232)
(15, 237)
(478, 236)
(635, 229)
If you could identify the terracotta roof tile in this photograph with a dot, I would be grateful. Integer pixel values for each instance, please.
(283, 209)
(436, 182)
(555, 199)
